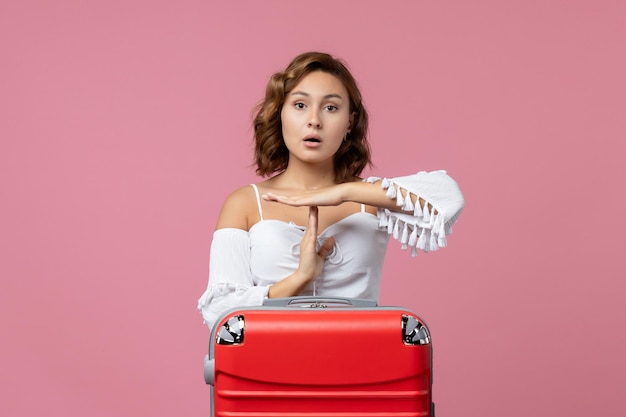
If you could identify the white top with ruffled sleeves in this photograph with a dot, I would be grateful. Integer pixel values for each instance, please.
(244, 264)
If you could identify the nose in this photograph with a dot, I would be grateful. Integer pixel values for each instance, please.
(314, 120)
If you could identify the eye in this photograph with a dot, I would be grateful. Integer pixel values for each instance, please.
(299, 105)
(331, 108)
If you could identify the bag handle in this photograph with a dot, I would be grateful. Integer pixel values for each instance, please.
(319, 302)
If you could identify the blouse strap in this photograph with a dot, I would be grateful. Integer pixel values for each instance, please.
(258, 200)
(362, 208)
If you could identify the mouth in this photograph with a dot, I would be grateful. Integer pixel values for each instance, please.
(313, 139)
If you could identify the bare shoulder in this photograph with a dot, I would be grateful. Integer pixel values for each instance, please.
(237, 209)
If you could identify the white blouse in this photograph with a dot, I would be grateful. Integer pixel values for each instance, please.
(244, 264)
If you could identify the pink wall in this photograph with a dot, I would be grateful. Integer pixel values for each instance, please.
(125, 123)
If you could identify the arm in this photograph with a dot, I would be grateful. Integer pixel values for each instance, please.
(311, 261)
(419, 210)
(369, 192)
(231, 282)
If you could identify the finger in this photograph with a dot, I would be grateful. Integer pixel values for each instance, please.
(271, 197)
(313, 218)
(327, 248)
(290, 201)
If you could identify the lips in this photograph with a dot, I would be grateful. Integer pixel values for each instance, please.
(313, 139)
(312, 142)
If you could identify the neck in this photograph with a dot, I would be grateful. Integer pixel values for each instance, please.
(307, 177)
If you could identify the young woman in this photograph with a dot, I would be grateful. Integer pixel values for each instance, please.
(314, 227)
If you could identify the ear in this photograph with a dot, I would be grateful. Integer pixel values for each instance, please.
(351, 120)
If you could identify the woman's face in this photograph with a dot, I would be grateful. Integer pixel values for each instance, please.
(316, 117)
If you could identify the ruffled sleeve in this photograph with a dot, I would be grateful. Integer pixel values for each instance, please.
(426, 229)
(230, 280)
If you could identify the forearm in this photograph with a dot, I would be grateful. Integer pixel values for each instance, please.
(391, 196)
(373, 194)
(290, 286)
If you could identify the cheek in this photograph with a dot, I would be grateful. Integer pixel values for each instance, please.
(341, 126)
(285, 119)
(289, 123)
(287, 130)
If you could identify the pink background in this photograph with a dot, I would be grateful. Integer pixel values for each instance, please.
(124, 124)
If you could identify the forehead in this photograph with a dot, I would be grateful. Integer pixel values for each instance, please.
(320, 83)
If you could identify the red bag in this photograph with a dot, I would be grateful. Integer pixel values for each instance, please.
(304, 356)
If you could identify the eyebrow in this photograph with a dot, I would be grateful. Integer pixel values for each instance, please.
(327, 96)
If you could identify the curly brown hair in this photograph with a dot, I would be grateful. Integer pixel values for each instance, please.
(271, 154)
